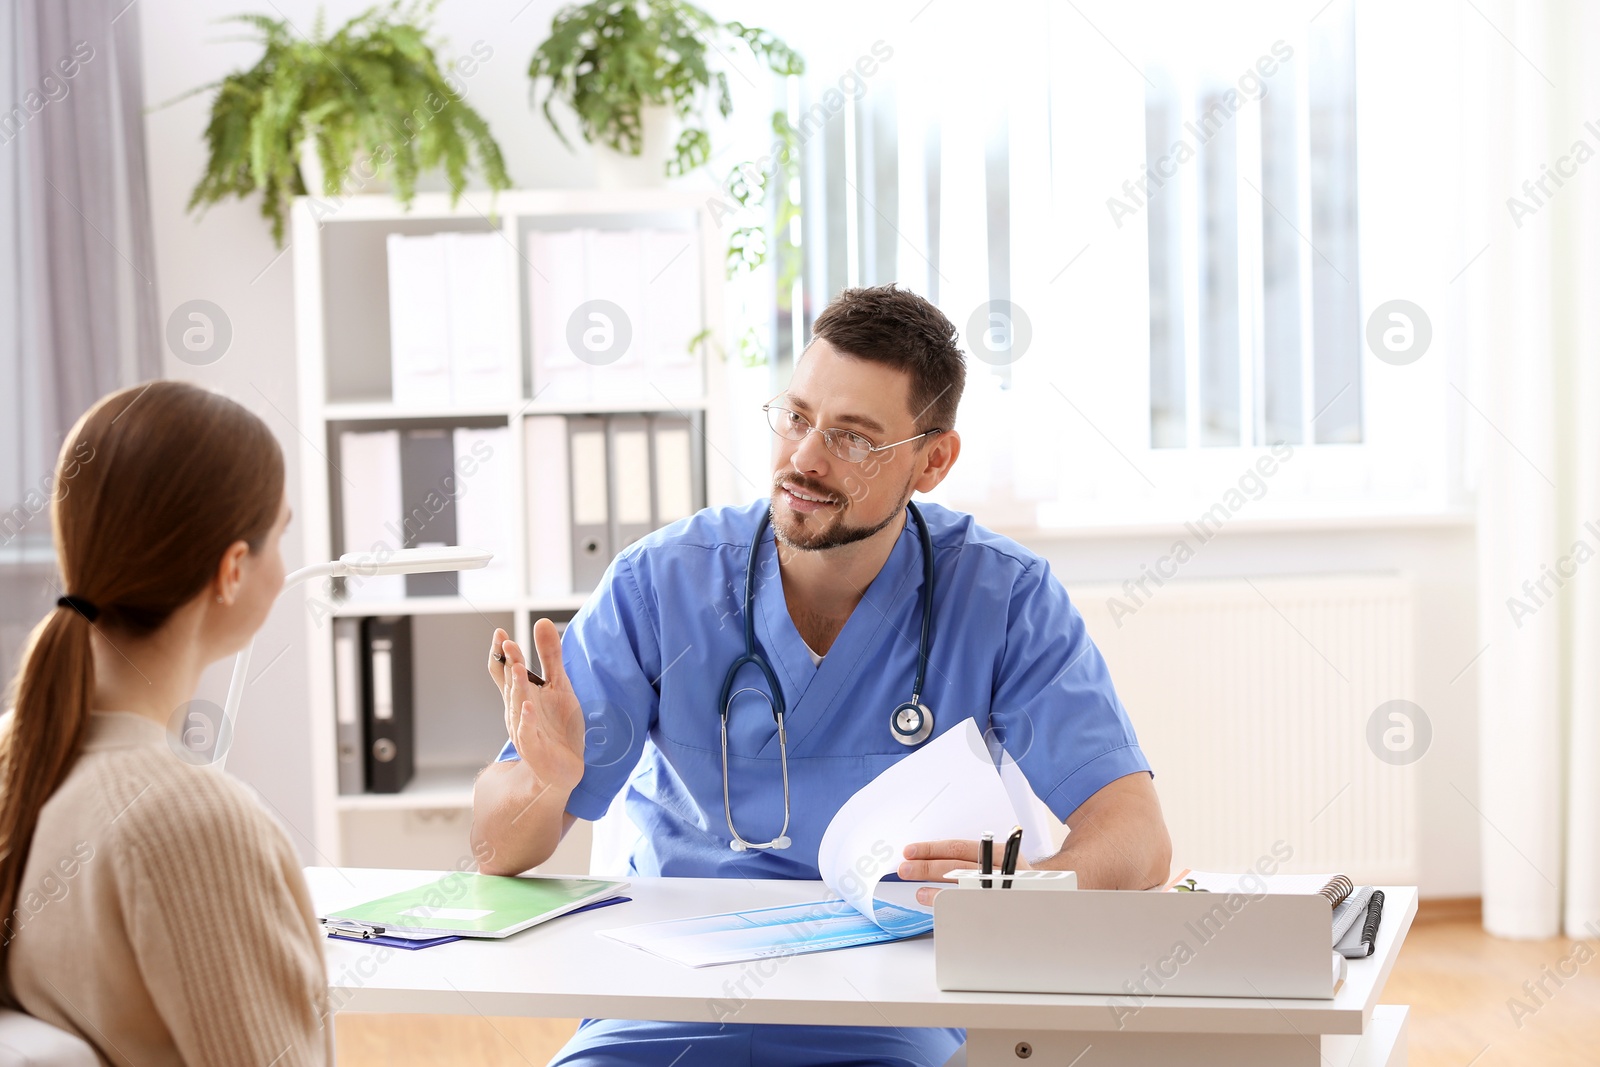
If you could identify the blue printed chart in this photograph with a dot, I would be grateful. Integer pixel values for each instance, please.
(764, 933)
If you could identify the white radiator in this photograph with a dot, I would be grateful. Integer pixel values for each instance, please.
(1252, 699)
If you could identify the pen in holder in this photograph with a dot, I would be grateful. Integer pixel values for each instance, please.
(974, 879)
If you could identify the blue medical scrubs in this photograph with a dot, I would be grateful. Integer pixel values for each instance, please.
(647, 656)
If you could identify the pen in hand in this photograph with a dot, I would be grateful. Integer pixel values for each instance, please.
(500, 657)
(1008, 865)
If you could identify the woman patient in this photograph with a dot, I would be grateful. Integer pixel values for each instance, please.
(150, 905)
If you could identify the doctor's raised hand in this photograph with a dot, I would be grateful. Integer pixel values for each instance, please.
(545, 722)
(518, 807)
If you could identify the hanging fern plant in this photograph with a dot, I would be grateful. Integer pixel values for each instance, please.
(609, 59)
(371, 91)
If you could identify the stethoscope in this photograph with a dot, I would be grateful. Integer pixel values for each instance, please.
(911, 723)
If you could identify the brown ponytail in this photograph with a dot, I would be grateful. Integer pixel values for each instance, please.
(152, 485)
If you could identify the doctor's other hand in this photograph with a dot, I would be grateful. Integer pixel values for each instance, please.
(545, 723)
(930, 861)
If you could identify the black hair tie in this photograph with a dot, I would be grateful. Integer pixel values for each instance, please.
(80, 605)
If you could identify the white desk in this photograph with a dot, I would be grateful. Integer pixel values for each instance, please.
(563, 970)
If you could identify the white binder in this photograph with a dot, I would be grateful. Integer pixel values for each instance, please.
(613, 271)
(615, 331)
(482, 323)
(631, 490)
(369, 489)
(483, 508)
(672, 312)
(677, 493)
(555, 291)
(419, 324)
(549, 507)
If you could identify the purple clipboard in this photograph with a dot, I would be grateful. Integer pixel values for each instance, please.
(412, 944)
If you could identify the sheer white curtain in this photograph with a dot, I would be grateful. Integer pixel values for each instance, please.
(1531, 402)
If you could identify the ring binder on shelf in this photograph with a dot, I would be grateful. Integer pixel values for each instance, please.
(419, 322)
(369, 508)
(390, 718)
(674, 467)
(591, 513)
(549, 506)
(428, 504)
(348, 705)
(628, 449)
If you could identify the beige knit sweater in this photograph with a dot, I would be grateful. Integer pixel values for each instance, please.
(163, 916)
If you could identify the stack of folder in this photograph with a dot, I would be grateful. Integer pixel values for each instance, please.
(452, 320)
(596, 484)
(374, 703)
(631, 298)
(417, 488)
(641, 343)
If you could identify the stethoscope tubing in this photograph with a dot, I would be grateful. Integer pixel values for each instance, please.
(776, 701)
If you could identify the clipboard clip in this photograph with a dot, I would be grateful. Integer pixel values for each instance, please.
(351, 928)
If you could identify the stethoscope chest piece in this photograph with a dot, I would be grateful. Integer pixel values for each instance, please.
(911, 723)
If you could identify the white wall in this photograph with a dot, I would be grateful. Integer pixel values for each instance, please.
(227, 257)
(1441, 560)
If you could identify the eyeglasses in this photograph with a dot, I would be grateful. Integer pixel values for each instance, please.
(846, 444)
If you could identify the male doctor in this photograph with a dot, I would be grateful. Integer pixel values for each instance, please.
(839, 589)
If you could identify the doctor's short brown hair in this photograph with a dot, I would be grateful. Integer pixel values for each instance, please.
(898, 328)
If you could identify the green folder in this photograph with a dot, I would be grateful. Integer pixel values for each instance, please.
(471, 905)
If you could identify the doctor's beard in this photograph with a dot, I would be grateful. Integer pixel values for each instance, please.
(818, 532)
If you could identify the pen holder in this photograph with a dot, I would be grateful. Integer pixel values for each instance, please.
(973, 879)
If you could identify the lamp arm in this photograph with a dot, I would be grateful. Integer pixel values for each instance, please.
(403, 561)
(241, 662)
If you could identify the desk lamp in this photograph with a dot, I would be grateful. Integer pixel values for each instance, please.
(349, 565)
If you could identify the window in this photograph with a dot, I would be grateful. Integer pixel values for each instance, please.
(1158, 229)
(1253, 239)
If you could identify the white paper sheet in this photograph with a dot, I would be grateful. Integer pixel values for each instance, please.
(1038, 822)
(948, 789)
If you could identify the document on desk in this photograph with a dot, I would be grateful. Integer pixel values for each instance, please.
(949, 788)
(764, 933)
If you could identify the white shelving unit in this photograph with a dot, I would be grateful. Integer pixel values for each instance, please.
(342, 331)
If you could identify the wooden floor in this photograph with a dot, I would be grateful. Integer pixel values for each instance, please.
(1460, 981)
(1457, 979)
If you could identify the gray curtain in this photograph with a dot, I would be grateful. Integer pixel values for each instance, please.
(78, 307)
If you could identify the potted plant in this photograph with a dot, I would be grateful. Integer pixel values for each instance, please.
(370, 97)
(624, 66)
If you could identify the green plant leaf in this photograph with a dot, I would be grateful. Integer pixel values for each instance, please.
(373, 89)
(606, 61)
